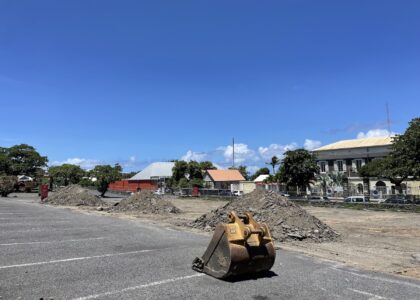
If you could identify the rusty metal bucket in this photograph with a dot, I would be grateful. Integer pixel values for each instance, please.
(242, 246)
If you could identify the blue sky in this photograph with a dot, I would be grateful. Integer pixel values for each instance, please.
(139, 81)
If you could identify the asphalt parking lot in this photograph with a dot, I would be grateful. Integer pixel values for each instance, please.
(55, 253)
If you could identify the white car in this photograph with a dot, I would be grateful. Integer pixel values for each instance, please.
(237, 193)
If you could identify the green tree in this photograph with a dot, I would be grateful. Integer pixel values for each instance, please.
(25, 160)
(196, 182)
(403, 160)
(106, 174)
(183, 183)
(298, 169)
(242, 169)
(7, 185)
(66, 174)
(337, 178)
(324, 181)
(4, 161)
(194, 170)
(261, 171)
(405, 153)
(179, 170)
(274, 162)
(207, 165)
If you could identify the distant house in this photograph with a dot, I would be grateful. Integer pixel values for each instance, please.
(222, 179)
(24, 178)
(152, 177)
(261, 178)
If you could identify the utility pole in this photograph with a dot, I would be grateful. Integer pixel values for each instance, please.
(233, 153)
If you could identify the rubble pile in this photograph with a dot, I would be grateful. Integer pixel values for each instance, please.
(286, 220)
(74, 195)
(146, 202)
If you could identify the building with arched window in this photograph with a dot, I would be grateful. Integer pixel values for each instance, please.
(348, 156)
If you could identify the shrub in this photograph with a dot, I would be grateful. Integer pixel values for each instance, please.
(7, 185)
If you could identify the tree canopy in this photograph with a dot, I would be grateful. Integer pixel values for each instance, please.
(403, 160)
(66, 174)
(261, 171)
(105, 174)
(21, 159)
(298, 168)
(274, 162)
(189, 174)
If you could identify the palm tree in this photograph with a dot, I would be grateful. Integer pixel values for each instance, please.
(324, 182)
(337, 178)
(274, 162)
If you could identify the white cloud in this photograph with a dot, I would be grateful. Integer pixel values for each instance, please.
(82, 162)
(375, 133)
(311, 144)
(197, 156)
(275, 150)
(242, 153)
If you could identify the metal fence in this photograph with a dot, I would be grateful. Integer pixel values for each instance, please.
(204, 192)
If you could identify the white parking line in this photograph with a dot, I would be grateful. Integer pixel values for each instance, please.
(62, 229)
(372, 277)
(51, 242)
(138, 287)
(30, 224)
(372, 296)
(72, 259)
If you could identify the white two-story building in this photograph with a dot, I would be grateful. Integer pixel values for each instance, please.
(349, 156)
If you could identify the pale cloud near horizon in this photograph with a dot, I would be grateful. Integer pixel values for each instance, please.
(278, 150)
(311, 144)
(191, 155)
(242, 153)
(375, 133)
(84, 163)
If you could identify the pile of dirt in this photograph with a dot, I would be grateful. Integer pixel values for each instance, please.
(146, 202)
(286, 220)
(74, 195)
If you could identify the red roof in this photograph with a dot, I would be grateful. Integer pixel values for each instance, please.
(225, 175)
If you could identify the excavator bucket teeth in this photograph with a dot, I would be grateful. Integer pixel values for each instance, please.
(242, 246)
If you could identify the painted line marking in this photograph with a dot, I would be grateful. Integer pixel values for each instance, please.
(372, 296)
(138, 287)
(62, 229)
(395, 281)
(29, 224)
(51, 242)
(72, 259)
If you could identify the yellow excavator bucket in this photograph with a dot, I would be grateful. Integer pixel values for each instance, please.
(242, 246)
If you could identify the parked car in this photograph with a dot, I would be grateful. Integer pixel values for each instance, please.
(237, 193)
(319, 198)
(398, 199)
(357, 199)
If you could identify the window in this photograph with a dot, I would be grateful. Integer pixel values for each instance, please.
(358, 164)
(323, 166)
(340, 166)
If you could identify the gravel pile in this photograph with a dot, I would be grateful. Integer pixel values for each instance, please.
(286, 220)
(74, 195)
(146, 202)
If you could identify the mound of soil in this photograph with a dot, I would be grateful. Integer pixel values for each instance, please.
(286, 220)
(74, 195)
(146, 202)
